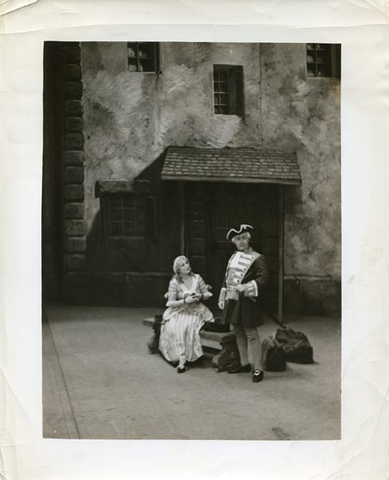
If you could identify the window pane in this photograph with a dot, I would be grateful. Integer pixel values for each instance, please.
(128, 201)
(139, 229)
(323, 57)
(223, 99)
(128, 228)
(310, 59)
(311, 71)
(147, 65)
(146, 50)
(139, 215)
(132, 47)
(115, 214)
(131, 50)
(128, 215)
(115, 228)
(223, 88)
(323, 71)
(115, 201)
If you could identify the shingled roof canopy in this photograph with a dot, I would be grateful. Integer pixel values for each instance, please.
(243, 165)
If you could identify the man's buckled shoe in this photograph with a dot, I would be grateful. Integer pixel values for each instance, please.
(257, 376)
(240, 369)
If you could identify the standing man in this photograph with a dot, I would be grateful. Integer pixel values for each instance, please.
(239, 299)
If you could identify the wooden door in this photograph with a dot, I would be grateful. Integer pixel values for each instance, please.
(232, 205)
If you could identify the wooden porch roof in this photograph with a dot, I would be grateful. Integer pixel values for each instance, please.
(243, 165)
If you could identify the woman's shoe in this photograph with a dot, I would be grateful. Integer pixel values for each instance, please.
(240, 369)
(182, 369)
(257, 376)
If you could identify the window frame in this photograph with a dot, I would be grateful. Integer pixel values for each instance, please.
(235, 89)
(332, 64)
(137, 58)
(107, 212)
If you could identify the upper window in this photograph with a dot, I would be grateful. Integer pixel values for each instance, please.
(143, 57)
(228, 90)
(323, 60)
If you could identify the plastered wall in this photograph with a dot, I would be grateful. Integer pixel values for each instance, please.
(130, 118)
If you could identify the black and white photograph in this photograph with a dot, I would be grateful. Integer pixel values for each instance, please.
(191, 241)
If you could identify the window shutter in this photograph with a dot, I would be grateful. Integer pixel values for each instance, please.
(157, 58)
(150, 217)
(336, 60)
(239, 90)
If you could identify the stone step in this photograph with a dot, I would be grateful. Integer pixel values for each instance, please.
(214, 340)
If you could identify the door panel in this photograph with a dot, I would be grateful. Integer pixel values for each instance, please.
(232, 205)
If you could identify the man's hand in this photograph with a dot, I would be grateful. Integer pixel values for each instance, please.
(241, 288)
(221, 304)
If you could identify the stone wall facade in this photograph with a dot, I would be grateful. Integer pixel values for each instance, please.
(120, 122)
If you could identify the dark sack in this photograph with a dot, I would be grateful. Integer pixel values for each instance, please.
(228, 358)
(273, 355)
(295, 344)
(153, 343)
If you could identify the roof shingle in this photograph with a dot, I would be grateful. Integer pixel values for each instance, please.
(246, 165)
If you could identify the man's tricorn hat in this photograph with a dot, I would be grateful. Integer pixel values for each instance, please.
(238, 231)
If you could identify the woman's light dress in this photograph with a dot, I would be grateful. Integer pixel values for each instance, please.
(180, 330)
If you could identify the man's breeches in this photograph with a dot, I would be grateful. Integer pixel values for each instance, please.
(245, 337)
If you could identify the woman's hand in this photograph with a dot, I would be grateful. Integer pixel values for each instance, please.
(190, 299)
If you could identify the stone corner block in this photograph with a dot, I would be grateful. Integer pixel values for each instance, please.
(74, 157)
(73, 124)
(75, 261)
(74, 141)
(76, 244)
(74, 210)
(73, 108)
(72, 71)
(73, 90)
(75, 228)
(74, 174)
(74, 193)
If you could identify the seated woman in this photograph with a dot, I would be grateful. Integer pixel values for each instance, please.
(179, 341)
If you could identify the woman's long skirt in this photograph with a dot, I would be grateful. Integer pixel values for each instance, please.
(180, 336)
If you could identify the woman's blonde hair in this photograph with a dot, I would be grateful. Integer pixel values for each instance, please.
(176, 268)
